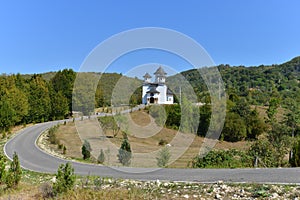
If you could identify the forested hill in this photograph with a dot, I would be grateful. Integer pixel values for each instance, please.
(257, 84)
(43, 97)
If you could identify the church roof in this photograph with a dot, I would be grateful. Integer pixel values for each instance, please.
(147, 75)
(153, 90)
(160, 71)
(169, 92)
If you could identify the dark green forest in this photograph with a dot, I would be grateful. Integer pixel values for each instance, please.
(276, 88)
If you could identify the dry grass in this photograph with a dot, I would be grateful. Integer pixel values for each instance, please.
(262, 111)
(144, 136)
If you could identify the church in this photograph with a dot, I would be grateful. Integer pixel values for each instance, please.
(156, 92)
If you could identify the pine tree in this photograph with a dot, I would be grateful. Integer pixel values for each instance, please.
(163, 157)
(65, 179)
(125, 153)
(14, 173)
(101, 157)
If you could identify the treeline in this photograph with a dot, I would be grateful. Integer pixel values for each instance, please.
(42, 97)
(33, 99)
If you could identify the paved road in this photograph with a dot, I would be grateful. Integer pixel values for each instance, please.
(32, 158)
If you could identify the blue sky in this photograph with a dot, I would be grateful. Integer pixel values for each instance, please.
(41, 36)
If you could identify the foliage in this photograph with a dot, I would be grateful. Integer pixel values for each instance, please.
(295, 160)
(86, 150)
(114, 123)
(264, 152)
(280, 141)
(234, 128)
(163, 157)
(65, 179)
(101, 157)
(2, 170)
(125, 154)
(14, 173)
(223, 159)
(52, 134)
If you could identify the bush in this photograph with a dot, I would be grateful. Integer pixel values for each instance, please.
(86, 150)
(125, 153)
(223, 159)
(65, 179)
(162, 142)
(163, 157)
(52, 135)
(101, 157)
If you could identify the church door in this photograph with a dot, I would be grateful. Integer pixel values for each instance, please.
(151, 100)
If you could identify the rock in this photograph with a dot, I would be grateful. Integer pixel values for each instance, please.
(275, 196)
(186, 196)
(218, 196)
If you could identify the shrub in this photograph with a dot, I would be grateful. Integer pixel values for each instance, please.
(64, 149)
(65, 179)
(101, 157)
(2, 171)
(86, 150)
(162, 142)
(125, 153)
(163, 157)
(14, 174)
(223, 159)
(46, 190)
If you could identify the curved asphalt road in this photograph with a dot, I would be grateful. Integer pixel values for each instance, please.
(32, 158)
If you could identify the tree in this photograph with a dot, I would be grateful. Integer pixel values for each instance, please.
(234, 128)
(14, 173)
(280, 140)
(101, 157)
(272, 110)
(125, 153)
(86, 150)
(163, 157)
(63, 82)
(65, 178)
(295, 160)
(39, 99)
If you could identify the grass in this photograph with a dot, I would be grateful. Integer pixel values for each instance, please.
(144, 136)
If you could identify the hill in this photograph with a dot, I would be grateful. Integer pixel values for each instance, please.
(257, 84)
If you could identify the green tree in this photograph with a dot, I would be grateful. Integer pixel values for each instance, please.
(86, 150)
(59, 105)
(163, 157)
(101, 157)
(272, 110)
(14, 173)
(125, 153)
(63, 82)
(263, 151)
(295, 159)
(65, 179)
(39, 99)
(280, 140)
(234, 128)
